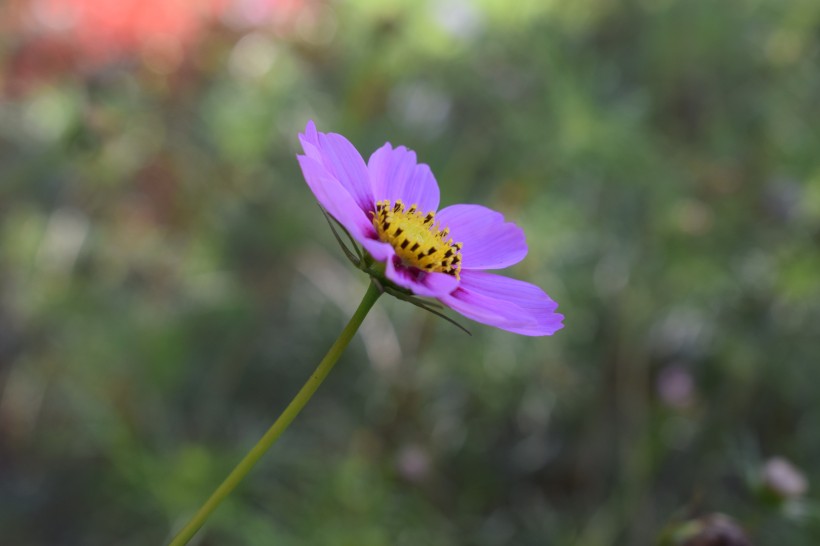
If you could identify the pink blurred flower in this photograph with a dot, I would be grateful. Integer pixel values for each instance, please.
(784, 479)
(64, 35)
(675, 387)
(105, 29)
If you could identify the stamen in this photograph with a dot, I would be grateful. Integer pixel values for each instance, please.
(413, 230)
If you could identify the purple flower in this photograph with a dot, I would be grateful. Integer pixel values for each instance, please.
(389, 206)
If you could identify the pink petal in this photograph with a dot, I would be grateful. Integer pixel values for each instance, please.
(431, 285)
(336, 200)
(505, 303)
(341, 160)
(395, 174)
(310, 141)
(489, 241)
(380, 251)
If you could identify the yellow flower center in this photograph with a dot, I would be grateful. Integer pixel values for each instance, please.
(416, 238)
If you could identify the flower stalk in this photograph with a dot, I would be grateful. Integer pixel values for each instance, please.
(281, 424)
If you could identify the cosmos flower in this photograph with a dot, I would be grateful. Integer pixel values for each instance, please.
(390, 206)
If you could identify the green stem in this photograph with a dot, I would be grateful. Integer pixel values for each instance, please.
(281, 424)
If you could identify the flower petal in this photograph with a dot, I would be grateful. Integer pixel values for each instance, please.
(341, 160)
(310, 141)
(430, 285)
(336, 200)
(505, 303)
(395, 174)
(489, 241)
(380, 251)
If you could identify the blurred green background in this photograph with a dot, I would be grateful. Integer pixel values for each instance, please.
(167, 281)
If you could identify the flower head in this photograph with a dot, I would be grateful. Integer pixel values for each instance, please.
(389, 205)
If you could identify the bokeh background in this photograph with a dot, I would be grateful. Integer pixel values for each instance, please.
(167, 281)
